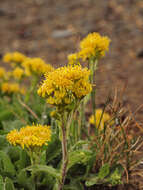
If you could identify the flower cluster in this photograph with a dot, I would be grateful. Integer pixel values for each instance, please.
(2, 72)
(74, 59)
(65, 85)
(101, 118)
(30, 136)
(10, 88)
(18, 73)
(36, 66)
(93, 46)
(26, 65)
(22, 69)
(15, 57)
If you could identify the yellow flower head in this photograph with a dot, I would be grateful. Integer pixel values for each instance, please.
(13, 137)
(2, 72)
(105, 118)
(15, 57)
(30, 136)
(36, 66)
(53, 113)
(10, 88)
(93, 46)
(66, 84)
(73, 59)
(18, 73)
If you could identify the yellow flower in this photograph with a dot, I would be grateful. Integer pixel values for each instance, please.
(13, 137)
(53, 113)
(8, 75)
(2, 72)
(65, 85)
(10, 88)
(73, 59)
(18, 57)
(105, 118)
(7, 57)
(36, 66)
(93, 46)
(18, 73)
(15, 57)
(30, 136)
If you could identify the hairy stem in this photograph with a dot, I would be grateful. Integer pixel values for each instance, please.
(93, 67)
(64, 156)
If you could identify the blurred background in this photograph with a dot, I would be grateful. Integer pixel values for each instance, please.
(51, 29)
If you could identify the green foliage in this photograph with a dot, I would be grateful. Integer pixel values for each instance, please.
(3, 142)
(1, 183)
(6, 166)
(105, 176)
(46, 169)
(78, 157)
(6, 184)
(54, 149)
(10, 125)
(5, 114)
(9, 184)
(115, 177)
(74, 185)
(104, 171)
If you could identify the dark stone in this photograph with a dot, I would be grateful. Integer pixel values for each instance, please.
(140, 54)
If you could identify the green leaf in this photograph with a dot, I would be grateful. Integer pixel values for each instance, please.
(48, 179)
(9, 184)
(2, 132)
(78, 157)
(100, 177)
(43, 158)
(79, 144)
(25, 180)
(115, 177)
(13, 152)
(55, 186)
(5, 115)
(104, 171)
(92, 181)
(47, 169)
(22, 178)
(74, 185)
(23, 160)
(54, 149)
(10, 125)
(1, 183)
(3, 142)
(6, 164)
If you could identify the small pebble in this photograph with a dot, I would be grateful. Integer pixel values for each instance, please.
(61, 33)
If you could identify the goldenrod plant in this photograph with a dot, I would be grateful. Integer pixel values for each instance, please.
(91, 49)
(64, 88)
(48, 140)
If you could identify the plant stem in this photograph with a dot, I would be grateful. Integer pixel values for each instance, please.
(93, 67)
(35, 160)
(64, 155)
(32, 88)
(82, 117)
